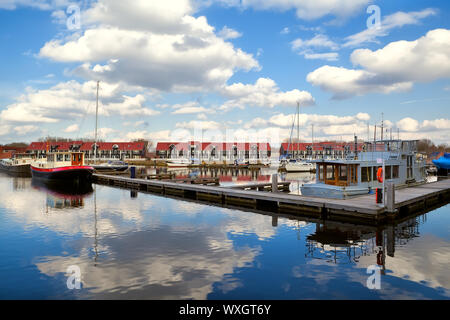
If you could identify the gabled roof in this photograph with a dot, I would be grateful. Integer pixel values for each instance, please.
(220, 146)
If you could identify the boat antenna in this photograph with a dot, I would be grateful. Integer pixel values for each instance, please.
(96, 124)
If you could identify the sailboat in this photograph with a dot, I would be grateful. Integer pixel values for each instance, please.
(298, 165)
(110, 165)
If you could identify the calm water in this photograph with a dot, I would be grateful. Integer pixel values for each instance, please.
(134, 245)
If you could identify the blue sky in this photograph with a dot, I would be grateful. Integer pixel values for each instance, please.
(227, 69)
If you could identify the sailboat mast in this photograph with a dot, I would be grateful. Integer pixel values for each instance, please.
(298, 129)
(96, 124)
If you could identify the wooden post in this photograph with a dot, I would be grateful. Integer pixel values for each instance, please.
(390, 197)
(275, 182)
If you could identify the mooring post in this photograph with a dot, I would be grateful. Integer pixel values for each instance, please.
(275, 182)
(390, 197)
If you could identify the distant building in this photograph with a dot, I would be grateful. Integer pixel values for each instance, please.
(105, 150)
(7, 152)
(214, 151)
(326, 149)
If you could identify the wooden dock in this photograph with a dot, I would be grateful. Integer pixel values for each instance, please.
(357, 208)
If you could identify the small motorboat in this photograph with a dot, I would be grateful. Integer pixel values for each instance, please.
(111, 166)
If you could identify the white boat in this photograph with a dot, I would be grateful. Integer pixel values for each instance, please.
(358, 173)
(179, 163)
(299, 166)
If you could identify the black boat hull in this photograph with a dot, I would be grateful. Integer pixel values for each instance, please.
(69, 174)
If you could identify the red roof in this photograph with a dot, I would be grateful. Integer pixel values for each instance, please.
(220, 146)
(85, 146)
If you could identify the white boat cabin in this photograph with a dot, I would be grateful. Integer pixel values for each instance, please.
(357, 174)
(62, 159)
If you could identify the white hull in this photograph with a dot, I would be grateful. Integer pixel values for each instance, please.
(299, 167)
(322, 190)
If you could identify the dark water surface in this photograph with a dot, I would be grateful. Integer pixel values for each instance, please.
(131, 245)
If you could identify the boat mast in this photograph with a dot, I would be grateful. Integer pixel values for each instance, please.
(298, 129)
(96, 124)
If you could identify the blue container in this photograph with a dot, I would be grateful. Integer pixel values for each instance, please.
(132, 172)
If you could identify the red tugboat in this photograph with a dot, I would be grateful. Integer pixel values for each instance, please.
(62, 166)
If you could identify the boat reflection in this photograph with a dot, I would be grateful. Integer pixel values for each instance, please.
(341, 243)
(63, 196)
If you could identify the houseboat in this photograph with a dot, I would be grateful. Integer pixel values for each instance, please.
(19, 164)
(62, 166)
(359, 174)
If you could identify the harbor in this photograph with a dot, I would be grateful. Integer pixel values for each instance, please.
(133, 243)
(358, 208)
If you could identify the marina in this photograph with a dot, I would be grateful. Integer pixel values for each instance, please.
(358, 208)
(132, 243)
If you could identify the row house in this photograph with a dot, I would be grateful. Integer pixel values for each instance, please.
(328, 150)
(214, 151)
(105, 150)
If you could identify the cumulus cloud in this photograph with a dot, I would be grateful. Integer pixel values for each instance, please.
(264, 93)
(68, 100)
(396, 67)
(172, 50)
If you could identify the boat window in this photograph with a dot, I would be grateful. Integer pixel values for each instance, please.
(395, 172)
(320, 172)
(80, 157)
(343, 173)
(366, 174)
(330, 172)
(59, 157)
(74, 157)
(387, 174)
(67, 157)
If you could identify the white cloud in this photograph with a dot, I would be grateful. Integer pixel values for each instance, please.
(68, 100)
(307, 48)
(200, 125)
(423, 60)
(319, 41)
(228, 33)
(72, 128)
(329, 56)
(393, 68)
(344, 83)
(24, 130)
(398, 19)
(264, 93)
(172, 50)
(190, 108)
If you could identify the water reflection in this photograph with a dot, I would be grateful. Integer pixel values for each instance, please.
(137, 245)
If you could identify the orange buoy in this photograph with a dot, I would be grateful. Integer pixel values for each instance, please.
(380, 175)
